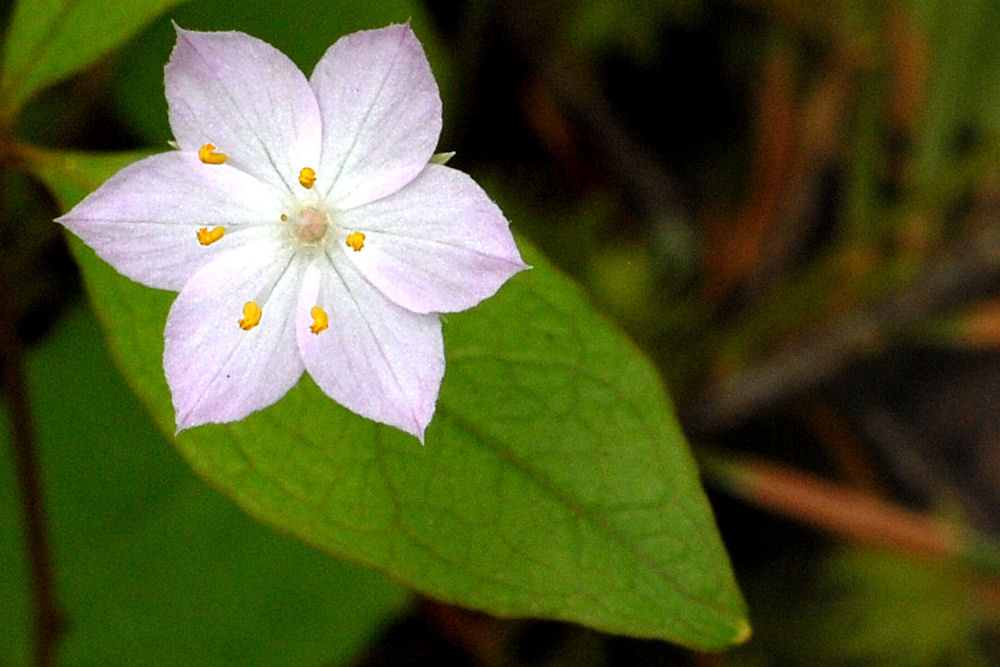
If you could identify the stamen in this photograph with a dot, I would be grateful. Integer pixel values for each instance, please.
(284, 217)
(307, 177)
(320, 320)
(251, 316)
(208, 155)
(206, 237)
(356, 240)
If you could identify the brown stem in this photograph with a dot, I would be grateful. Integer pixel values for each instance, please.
(855, 515)
(48, 620)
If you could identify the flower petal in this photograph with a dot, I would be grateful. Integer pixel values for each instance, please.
(438, 245)
(144, 220)
(376, 359)
(381, 113)
(218, 372)
(247, 99)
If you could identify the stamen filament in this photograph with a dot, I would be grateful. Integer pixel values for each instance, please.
(208, 155)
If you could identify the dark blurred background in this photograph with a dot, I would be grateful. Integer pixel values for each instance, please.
(792, 207)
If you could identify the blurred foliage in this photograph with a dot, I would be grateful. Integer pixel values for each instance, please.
(791, 206)
(47, 40)
(874, 607)
(602, 25)
(154, 566)
(894, 610)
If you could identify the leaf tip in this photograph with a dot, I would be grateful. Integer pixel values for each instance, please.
(743, 632)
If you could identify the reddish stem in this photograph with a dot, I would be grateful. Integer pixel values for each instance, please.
(48, 619)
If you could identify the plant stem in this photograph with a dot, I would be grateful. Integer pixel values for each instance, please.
(856, 515)
(48, 620)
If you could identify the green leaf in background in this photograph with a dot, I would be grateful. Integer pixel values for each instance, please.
(555, 481)
(48, 40)
(963, 82)
(154, 567)
(878, 607)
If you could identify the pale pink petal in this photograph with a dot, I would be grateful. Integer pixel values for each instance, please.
(144, 220)
(218, 372)
(381, 114)
(438, 245)
(376, 359)
(247, 99)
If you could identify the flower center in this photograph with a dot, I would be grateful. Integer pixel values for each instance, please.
(310, 224)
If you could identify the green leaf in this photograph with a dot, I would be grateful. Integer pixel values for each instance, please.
(878, 607)
(154, 567)
(963, 73)
(442, 158)
(555, 481)
(48, 40)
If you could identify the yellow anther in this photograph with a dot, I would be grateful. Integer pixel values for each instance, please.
(208, 155)
(206, 237)
(320, 320)
(251, 316)
(307, 177)
(284, 217)
(356, 240)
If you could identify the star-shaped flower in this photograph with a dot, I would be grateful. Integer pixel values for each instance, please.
(304, 226)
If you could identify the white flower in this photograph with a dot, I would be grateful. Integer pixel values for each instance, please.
(304, 227)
